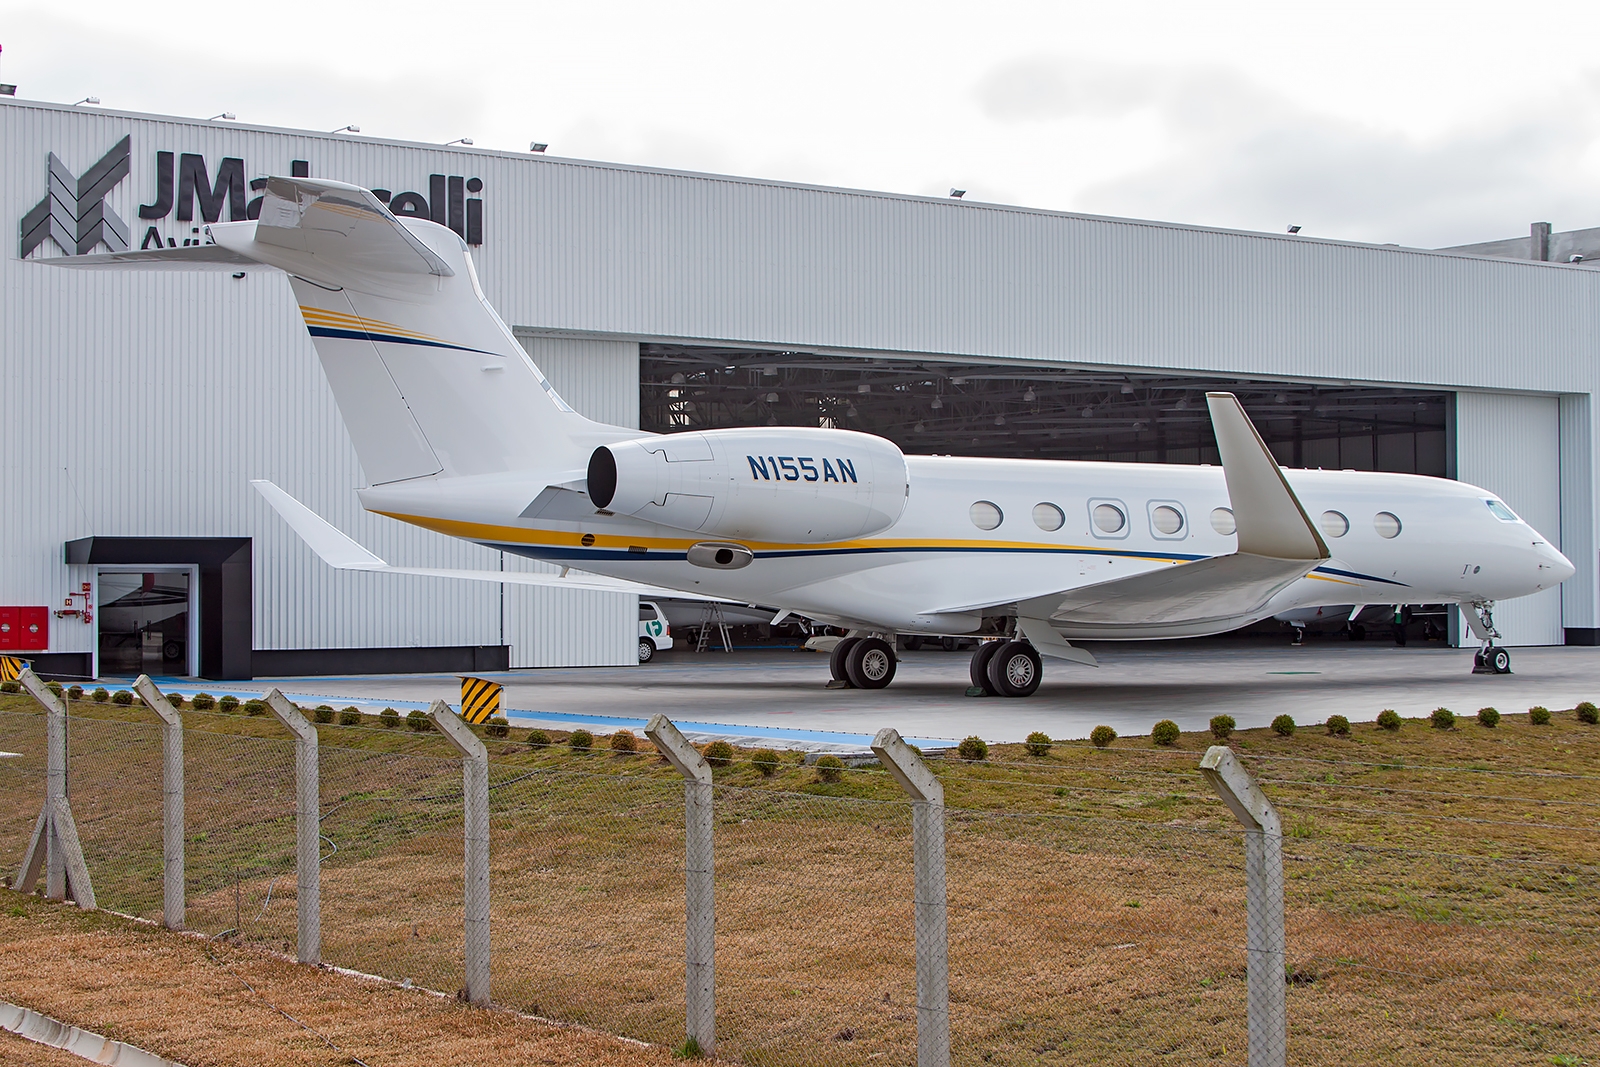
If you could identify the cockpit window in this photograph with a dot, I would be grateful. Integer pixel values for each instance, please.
(1501, 512)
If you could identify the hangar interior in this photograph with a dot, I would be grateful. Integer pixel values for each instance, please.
(1039, 411)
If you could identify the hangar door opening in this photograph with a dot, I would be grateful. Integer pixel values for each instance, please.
(1510, 445)
(1043, 412)
(1038, 412)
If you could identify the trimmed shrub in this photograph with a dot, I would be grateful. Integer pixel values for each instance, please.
(54, 687)
(389, 717)
(75, 692)
(323, 713)
(1038, 743)
(1222, 727)
(973, 749)
(1101, 736)
(538, 739)
(1388, 719)
(829, 768)
(350, 716)
(255, 707)
(1338, 726)
(580, 741)
(1488, 717)
(100, 696)
(122, 697)
(12, 687)
(228, 704)
(766, 761)
(175, 699)
(497, 726)
(624, 741)
(719, 753)
(203, 702)
(1538, 716)
(1283, 725)
(1164, 732)
(418, 722)
(1587, 713)
(1443, 719)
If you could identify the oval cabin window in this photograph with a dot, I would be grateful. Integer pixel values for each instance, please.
(1386, 523)
(1166, 519)
(1108, 518)
(1222, 521)
(985, 516)
(1334, 524)
(1048, 517)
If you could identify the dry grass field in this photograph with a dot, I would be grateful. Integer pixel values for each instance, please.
(1441, 886)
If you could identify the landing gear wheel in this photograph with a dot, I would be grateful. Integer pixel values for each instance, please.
(172, 650)
(836, 659)
(1498, 660)
(870, 664)
(913, 644)
(1015, 670)
(949, 644)
(980, 666)
(647, 650)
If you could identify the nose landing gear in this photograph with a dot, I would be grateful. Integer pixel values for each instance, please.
(1491, 658)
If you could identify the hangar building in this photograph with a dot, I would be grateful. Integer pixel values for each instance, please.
(135, 407)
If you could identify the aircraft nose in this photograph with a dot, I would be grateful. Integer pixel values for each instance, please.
(1559, 567)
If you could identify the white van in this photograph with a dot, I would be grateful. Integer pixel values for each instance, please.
(654, 633)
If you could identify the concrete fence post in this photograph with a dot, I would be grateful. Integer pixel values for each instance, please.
(933, 945)
(1265, 943)
(307, 827)
(699, 883)
(475, 822)
(171, 801)
(54, 847)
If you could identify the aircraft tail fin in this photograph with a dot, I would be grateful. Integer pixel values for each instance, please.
(429, 379)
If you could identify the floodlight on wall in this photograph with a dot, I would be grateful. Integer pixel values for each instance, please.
(1294, 229)
(7, 89)
(347, 129)
(226, 116)
(537, 146)
(460, 140)
(1577, 257)
(957, 194)
(88, 100)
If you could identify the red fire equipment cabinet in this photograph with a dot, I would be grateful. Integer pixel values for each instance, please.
(24, 629)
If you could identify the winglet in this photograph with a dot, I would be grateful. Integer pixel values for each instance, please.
(1268, 516)
(336, 549)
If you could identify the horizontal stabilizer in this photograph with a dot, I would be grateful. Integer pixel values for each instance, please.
(339, 551)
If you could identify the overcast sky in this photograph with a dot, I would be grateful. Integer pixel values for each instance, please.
(1423, 124)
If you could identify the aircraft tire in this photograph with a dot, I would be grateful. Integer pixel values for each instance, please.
(1499, 660)
(870, 663)
(980, 665)
(1015, 670)
(836, 660)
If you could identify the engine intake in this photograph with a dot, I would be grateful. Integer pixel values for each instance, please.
(795, 484)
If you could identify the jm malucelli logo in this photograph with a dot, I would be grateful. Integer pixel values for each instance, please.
(75, 215)
(74, 212)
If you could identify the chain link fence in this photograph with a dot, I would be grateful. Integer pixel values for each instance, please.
(1097, 903)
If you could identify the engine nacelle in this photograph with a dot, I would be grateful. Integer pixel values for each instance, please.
(797, 484)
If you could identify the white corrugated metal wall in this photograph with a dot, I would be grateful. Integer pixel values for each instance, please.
(1510, 444)
(564, 627)
(109, 377)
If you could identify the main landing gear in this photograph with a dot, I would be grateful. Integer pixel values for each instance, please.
(862, 663)
(1491, 658)
(1006, 669)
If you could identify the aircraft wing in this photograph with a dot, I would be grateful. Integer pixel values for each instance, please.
(1277, 545)
(341, 552)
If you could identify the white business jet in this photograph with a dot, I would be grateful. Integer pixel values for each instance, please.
(459, 432)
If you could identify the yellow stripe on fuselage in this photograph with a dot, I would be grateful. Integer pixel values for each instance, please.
(473, 531)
